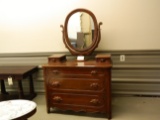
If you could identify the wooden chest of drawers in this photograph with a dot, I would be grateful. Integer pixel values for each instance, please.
(78, 86)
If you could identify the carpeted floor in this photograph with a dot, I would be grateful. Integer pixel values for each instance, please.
(123, 108)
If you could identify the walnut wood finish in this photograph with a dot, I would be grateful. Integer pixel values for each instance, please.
(79, 86)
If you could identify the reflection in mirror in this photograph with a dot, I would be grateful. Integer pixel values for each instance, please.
(80, 30)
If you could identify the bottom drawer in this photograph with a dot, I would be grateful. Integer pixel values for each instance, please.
(77, 99)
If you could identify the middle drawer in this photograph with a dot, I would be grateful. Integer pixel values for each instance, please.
(77, 83)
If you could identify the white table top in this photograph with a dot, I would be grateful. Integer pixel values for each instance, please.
(12, 109)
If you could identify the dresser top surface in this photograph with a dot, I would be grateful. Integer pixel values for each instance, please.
(74, 63)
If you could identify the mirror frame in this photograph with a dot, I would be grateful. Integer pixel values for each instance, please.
(97, 34)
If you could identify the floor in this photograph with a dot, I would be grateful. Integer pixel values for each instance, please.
(123, 108)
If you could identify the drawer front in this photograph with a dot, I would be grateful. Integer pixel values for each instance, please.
(75, 72)
(76, 83)
(77, 99)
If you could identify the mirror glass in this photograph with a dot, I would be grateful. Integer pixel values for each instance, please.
(80, 30)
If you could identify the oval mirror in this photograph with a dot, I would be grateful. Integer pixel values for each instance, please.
(81, 32)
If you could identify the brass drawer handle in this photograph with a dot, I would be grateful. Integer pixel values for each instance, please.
(94, 86)
(56, 84)
(102, 60)
(53, 60)
(93, 72)
(55, 71)
(57, 99)
(95, 101)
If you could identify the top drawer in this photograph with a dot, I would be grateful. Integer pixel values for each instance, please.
(75, 71)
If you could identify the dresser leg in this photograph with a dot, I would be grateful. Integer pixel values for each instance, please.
(109, 116)
(48, 110)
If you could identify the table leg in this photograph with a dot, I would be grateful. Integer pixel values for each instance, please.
(3, 89)
(31, 85)
(20, 88)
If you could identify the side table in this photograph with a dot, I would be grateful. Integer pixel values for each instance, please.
(17, 74)
(17, 109)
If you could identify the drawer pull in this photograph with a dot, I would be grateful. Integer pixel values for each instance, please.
(56, 84)
(95, 101)
(57, 99)
(55, 71)
(102, 60)
(93, 72)
(94, 86)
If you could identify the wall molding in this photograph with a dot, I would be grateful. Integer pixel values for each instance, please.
(138, 75)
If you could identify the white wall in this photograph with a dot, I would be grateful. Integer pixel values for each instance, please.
(34, 25)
